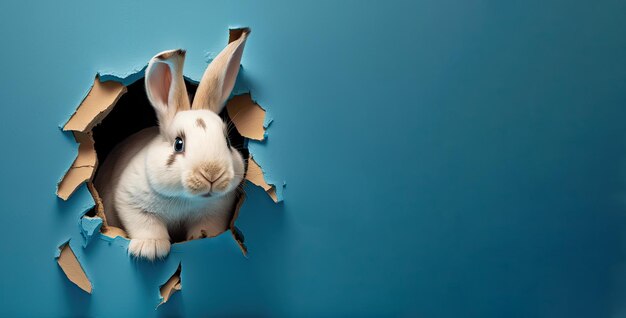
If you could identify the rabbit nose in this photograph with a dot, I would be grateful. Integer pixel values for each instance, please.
(211, 171)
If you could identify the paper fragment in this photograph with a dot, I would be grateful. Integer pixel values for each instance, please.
(247, 116)
(98, 103)
(237, 235)
(82, 169)
(71, 267)
(105, 229)
(255, 175)
(236, 33)
(88, 227)
(170, 287)
(113, 232)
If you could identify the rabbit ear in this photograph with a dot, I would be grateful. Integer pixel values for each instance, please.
(219, 78)
(165, 85)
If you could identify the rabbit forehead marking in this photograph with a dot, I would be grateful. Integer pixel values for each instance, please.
(204, 119)
(200, 123)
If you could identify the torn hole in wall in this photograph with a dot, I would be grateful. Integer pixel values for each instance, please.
(173, 285)
(112, 111)
(129, 115)
(112, 105)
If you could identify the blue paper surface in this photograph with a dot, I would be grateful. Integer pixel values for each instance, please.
(443, 158)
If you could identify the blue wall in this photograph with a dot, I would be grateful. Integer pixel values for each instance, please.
(442, 158)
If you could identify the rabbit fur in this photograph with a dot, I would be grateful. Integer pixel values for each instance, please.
(183, 174)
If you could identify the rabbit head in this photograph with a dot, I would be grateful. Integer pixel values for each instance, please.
(193, 158)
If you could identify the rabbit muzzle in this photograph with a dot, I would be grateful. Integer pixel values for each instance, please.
(209, 179)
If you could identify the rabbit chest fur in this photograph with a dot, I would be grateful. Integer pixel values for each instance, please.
(124, 186)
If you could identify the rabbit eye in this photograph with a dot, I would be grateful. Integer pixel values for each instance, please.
(179, 145)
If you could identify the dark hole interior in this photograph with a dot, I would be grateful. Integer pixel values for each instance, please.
(133, 113)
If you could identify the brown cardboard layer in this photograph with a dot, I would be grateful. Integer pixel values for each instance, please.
(105, 229)
(235, 34)
(71, 267)
(113, 232)
(82, 169)
(247, 116)
(255, 175)
(170, 287)
(99, 207)
(98, 103)
(234, 230)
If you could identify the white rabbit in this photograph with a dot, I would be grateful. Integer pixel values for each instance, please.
(181, 175)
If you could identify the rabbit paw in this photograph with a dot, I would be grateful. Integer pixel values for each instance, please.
(149, 248)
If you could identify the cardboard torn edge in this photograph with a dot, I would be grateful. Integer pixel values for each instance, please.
(244, 112)
(127, 78)
(235, 33)
(237, 234)
(255, 175)
(88, 227)
(247, 116)
(105, 229)
(82, 168)
(170, 287)
(96, 105)
(99, 101)
(71, 267)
